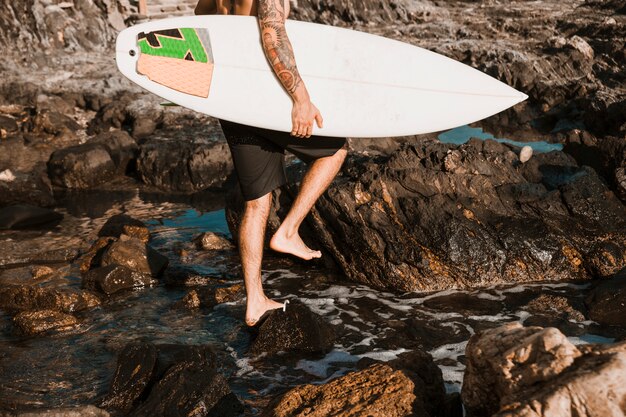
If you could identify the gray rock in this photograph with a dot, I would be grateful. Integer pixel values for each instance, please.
(121, 147)
(79, 411)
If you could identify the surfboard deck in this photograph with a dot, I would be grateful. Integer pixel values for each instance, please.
(364, 85)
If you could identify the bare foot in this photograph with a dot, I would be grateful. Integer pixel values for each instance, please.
(294, 245)
(255, 310)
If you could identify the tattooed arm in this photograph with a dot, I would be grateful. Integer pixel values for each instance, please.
(279, 53)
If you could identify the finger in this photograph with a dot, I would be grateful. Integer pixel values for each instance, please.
(319, 120)
(294, 129)
(302, 130)
(309, 130)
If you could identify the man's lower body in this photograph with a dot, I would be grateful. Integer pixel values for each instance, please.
(258, 157)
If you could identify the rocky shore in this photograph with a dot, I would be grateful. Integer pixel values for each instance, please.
(455, 223)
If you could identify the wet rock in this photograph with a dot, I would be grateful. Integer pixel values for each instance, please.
(515, 371)
(80, 411)
(93, 256)
(211, 296)
(135, 255)
(42, 321)
(15, 298)
(405, 387)
(81, 166)
(549, 310)
(607, 301)
(25, 216)
(296, 329)
(184, 166)
(121, 147)
(212, 241)
(134, 371)
(190, 301)
(489, 221)
(9, 260)
(113, 278)
(120, 224)
(41, 271)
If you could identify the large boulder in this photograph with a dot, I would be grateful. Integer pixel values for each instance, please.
(113, 278)
(411, 385)
(517, 371)
(469, 215)
(184, 166)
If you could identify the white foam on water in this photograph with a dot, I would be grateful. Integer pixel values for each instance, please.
(487, 296)
(449, 351)
(492, 317)
(453, 375)
(320, 367)
(391, 304)
(385, 355)
(523, 315)
(365, 342)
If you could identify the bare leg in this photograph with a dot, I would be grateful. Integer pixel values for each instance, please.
(251, 237)
(317, 179)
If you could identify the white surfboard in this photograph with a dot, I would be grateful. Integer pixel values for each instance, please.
(364, 85)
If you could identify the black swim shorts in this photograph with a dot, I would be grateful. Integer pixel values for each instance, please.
(258, 155)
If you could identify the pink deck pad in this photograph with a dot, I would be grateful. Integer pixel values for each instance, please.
(188, 77)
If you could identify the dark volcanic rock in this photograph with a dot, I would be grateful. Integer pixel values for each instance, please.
(81, 166)
(296, 329)
(411, 385)
(124, 224)
(113, 278)
(55, 123)
(42, 321)
(184, 166)
(26, 216)
(211, 296)
(517, 371)
(212, 241)
(135, 255)
(8, 260)
(485, 220)
(134, 372)
(607, 301)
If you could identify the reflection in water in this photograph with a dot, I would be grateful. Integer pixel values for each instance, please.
(462, 134)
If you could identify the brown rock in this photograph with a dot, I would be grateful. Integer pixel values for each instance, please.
(93, 256)
(135, 255)
(40, 321)
(515, 371)
(15, 298)
(411, 385)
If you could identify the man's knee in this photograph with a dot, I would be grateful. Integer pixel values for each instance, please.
(261, 204)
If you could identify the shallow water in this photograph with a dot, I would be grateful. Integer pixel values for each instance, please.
(76, 367)
(462, 134)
